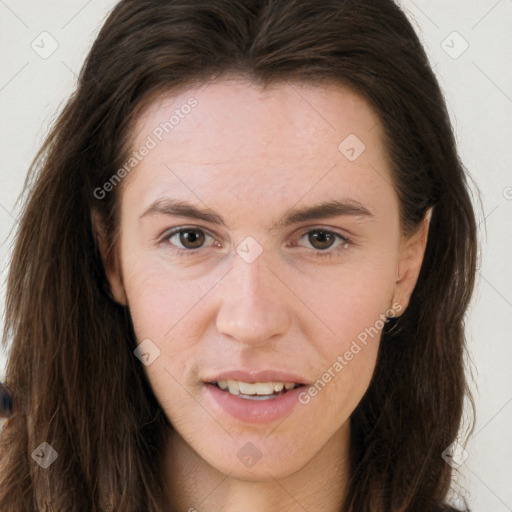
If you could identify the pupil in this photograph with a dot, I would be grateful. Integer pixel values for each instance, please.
(324, 239)
(194, 239)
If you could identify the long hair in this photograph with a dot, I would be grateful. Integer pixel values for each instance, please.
(71, 359)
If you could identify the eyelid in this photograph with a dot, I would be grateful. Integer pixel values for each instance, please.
(173, 231)
(343, 239)
(333, 231)
(310, 229)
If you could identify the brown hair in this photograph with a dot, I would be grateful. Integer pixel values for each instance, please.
(71, 362)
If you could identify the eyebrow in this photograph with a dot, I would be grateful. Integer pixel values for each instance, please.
(329, 209)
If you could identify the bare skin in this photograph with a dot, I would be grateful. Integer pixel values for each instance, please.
(250, 156)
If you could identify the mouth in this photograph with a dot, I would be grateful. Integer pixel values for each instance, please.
(255, 390)
(253, 396)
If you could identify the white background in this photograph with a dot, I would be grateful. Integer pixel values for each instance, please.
(478, 89)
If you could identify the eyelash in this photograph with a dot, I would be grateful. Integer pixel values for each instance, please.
(327, 253)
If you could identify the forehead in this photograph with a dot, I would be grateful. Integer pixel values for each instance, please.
(234, 138)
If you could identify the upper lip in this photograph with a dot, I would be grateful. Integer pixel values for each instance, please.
(253, 376)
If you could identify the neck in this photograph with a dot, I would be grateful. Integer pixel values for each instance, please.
(194, 485)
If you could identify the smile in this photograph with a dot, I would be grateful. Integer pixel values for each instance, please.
(255, 390)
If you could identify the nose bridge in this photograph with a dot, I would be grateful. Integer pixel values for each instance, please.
(251, 309)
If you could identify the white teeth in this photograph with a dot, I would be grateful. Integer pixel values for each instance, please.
(247, 388)
(278, 386)
(222, 384)
(264, 388)
(236, 387)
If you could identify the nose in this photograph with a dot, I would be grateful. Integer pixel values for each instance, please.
(253, 303)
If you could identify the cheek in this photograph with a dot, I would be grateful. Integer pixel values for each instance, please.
(357, 316)
(339, 389)
(350, 300)
(359, 311)
(160, 297)
(164, 310)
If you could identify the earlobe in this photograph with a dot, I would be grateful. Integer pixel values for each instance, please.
(410, 262)
(111, 263)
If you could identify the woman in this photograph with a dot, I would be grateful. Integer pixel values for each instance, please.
(242, 270)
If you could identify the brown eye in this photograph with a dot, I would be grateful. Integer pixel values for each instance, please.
(321, 239)
(191, 238)
(325, 243)
(188, 241)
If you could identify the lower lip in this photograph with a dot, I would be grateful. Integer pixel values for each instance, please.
(253, 411)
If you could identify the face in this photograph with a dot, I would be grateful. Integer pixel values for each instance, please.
(260, 243)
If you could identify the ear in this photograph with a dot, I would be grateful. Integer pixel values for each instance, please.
(409, 265)
(111, 261)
